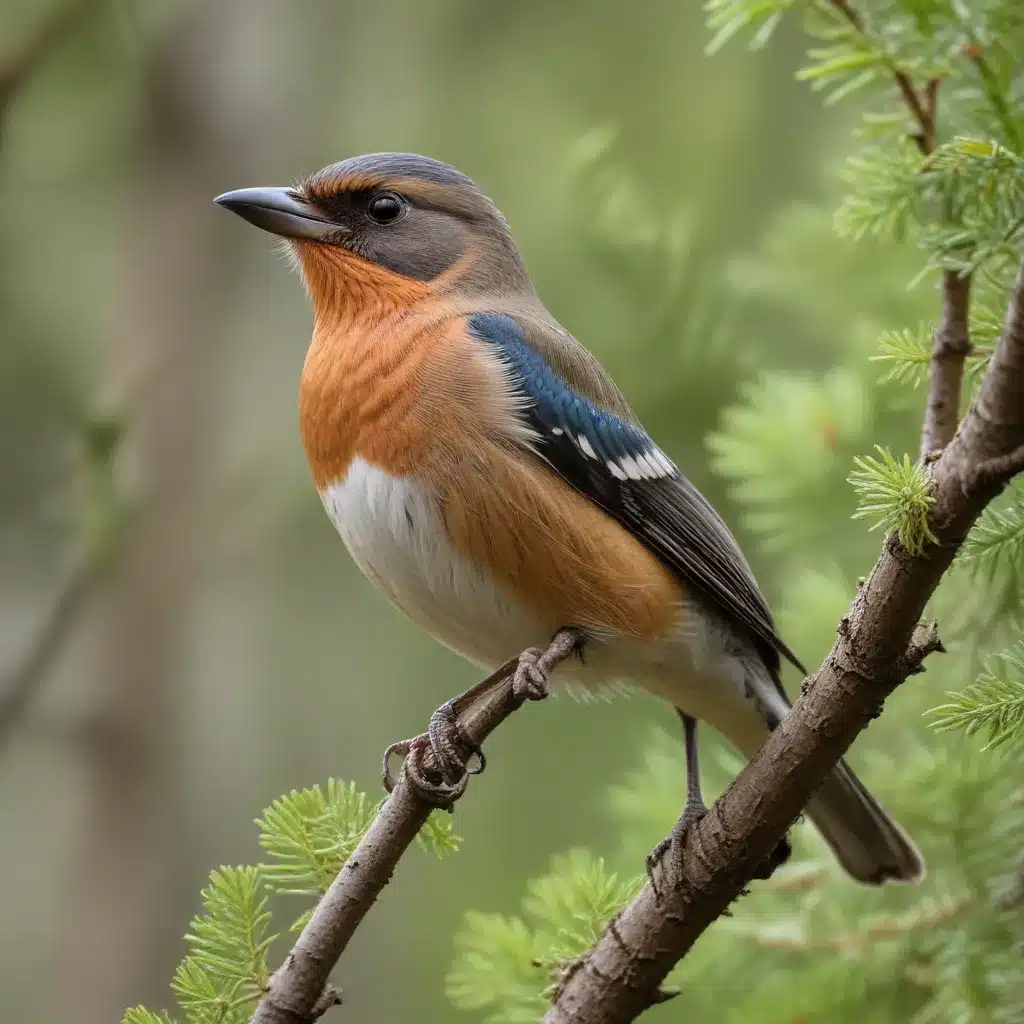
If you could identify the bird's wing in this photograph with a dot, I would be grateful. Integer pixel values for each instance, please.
(613, 461)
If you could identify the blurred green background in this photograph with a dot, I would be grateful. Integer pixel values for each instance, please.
(230, 651)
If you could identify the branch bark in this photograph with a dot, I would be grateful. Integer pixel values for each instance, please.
(880, 642)
(951, 347)
(299, 992)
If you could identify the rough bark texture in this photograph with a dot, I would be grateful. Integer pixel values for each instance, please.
(879, 643)
(946, 368)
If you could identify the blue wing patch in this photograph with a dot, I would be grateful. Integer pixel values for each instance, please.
(617, 466)
(575, 428)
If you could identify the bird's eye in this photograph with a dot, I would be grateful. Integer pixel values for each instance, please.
(385, 208)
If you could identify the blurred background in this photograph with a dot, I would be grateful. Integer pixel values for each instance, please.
(183, 636)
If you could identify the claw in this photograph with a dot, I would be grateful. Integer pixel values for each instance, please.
(399, 749)
(451, 747)
(424, 778)
(437, 764)
(673, 842)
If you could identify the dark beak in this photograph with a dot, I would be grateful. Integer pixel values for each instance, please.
(281, 212)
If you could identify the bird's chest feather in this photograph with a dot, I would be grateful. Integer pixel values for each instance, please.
(394, 530)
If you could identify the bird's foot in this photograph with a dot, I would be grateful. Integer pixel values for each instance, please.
(439, 762)
(530, 681)
(673, 843)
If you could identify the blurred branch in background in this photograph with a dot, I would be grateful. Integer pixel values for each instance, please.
(15, 71)
(19, 66)
(44, 649)
(101, 526)
(134, 847)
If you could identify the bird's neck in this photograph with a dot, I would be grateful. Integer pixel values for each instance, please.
(357, 395)
(348, 291)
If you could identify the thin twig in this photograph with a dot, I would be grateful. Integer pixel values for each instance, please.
(295, 994)
(923, 111)
(952, 342)
(925, 121)
(952, 345)
(26, 679)
(36, 49)
(847, 10)
(880, 642)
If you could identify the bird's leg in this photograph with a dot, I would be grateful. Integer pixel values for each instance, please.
(444, 780)
(695, 808)
(437, 763)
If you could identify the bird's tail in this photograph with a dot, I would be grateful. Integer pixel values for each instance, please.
(867, 842)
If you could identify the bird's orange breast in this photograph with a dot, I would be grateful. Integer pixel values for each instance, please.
(362, 386)
(391, 378)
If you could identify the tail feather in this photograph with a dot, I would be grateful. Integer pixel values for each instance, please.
(867, 842)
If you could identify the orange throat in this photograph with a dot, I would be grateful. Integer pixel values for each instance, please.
(361, 374)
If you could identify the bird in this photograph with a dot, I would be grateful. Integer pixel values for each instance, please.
(489, 477)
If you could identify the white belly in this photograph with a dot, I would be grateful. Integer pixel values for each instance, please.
(393, 529)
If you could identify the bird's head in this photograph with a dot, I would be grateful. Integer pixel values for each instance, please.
(388, 224)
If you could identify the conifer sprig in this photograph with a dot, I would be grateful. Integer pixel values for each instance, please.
(993, 705)
(896, 494)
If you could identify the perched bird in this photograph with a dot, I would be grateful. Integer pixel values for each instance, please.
(488, 476)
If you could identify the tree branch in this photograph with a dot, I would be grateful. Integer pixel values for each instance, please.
(950, 349)
(18, 690)
(299, 992)
(880, 642)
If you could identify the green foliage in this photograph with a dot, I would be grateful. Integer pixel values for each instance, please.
(897, 495)
(510, 966)
(140, 1015)
(996, 544)
(991, 561)
(438, 835)
(908, 351)
(227, 966)
(753, 450)
(308, 835)
(964, 201)
(993, 704)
